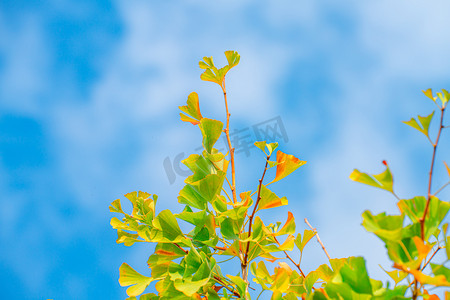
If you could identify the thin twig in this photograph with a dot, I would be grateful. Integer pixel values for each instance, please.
(442, 187)
(228, 182)
(250, 222)
(184, 250)
(228, 196)
(430, 178)
(227, 133)
(318, 238)
(290, 258)
(436, 251)
(219, 280)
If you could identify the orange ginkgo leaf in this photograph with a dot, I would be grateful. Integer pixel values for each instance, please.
(286, 164)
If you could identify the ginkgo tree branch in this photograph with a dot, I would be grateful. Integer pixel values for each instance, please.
(318, 238)
(290, 258)
(430, 177)
(250, 223)
(230, 147)
(441, 188)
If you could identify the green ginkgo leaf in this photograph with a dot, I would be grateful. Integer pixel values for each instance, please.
(424, 123)
(269, 199)
(212, 73)
(383, 180)
(444, 96)
(384, 226)
(191, 111)
(138, 282)
(301, 241)
(211, 131)
(429, 94)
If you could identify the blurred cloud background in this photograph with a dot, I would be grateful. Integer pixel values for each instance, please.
(88, 112)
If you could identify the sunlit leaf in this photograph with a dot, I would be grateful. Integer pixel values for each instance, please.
(396, 275)
(262, 146)
(289, 226)
(424, 123)
(302, 241)
(211, 131)
(429, 94)
(355, 275)
(439, 280)
(128, 239)
(239, 282)
(168, 228)
(286, 164)
(414, 208)
(440, 270)
(212, 73)
(383, 180)
(116, 206)
(384, 226)
(288, 244)
(191, 110)
(444, 96)
(269, 199)
(138, 282)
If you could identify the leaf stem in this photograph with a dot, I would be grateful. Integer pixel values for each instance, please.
(430, 178)
(318, 238)
(227, 133)
(228, 196)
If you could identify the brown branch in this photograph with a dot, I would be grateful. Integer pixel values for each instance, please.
(250, 222)
(227, 133)
(318, 238)
(429, 260)
(185, 251)
(430, 178)
(290, 258)
(224, 284)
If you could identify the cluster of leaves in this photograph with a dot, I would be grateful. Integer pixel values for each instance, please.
(223, 226)
(417, 233)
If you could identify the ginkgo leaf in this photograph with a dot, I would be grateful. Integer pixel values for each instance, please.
(116, 206)
(271, 147)
(414, 208)
(212, 73)
(167, 225)
(429, 94)
(261, 145)
(191, 110)
(383, 180)
(302, 241)
(269, 199)
(288, 244)
(211, 131)
(289, 226)
(396, 275)
(448, 168)
(138, 282)
(439, 280)
(233, 58)
(384, 226)
(286, 164)
(424, 123)
(444, 96)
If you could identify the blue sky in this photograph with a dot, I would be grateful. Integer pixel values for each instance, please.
(89, 92)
